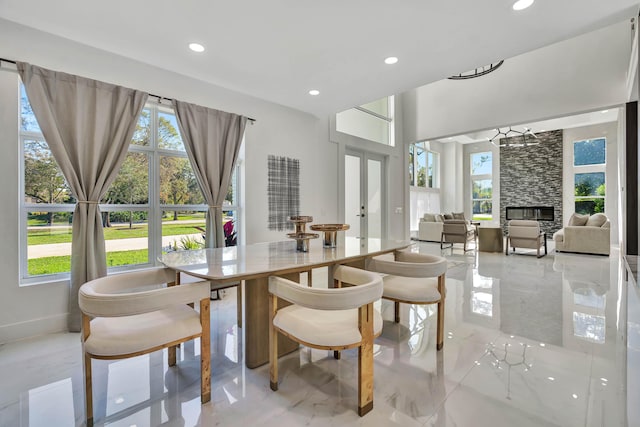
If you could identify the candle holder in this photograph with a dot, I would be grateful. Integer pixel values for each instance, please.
(300, 235)
(330, 233)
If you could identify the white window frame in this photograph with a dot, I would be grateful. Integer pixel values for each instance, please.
(481, 177)
(581, 169)
(436, 166)
(154, 208)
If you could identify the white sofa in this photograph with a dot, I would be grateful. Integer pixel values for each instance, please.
(585, 234)
(430, 227)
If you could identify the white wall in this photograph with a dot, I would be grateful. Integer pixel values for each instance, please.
(610, 132)
(577, 75)
(39, 309)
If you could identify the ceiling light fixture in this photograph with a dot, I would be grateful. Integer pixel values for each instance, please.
(512, 133)
(477, 72)
(314, 92)
(522, 4)
(391, 60)
(604, 111)
(196, 47)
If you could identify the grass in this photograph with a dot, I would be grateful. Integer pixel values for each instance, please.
(63, 235)
(62, 264)
(480, 217)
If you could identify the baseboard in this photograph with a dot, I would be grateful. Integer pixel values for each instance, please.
(32, 328)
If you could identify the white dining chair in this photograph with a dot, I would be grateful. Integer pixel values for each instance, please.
(335, 319)
(131, 314)
(413, 278)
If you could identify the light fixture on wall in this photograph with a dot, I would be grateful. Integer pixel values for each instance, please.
(528, 138)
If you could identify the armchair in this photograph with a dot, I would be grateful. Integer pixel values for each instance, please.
(525, 234)
(457, 231)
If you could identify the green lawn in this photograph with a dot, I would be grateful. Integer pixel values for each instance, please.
(62, 264)
(63, 235)
(482, 217)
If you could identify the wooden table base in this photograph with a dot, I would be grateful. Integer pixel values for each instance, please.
(256, 344)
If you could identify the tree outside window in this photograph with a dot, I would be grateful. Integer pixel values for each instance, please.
(589, 161)
(481, 186)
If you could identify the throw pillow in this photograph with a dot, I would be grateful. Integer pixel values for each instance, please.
(448, 216)
(458, 215)
(429, 217)
(578, 220)
(439, 218)
(597, 220)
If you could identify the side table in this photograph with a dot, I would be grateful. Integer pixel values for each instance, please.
(490, 239)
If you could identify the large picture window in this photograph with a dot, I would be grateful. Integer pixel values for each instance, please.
(589, 165)
(153, 206)
(423, 166)
(482, 186)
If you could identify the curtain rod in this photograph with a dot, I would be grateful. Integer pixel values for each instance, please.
(160, 98)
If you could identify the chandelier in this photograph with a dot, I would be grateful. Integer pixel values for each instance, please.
(525, 138)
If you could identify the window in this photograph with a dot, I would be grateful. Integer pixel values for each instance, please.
(423, 166)
(154, 204)
(482, 186)
(372, 121)
(589, 165)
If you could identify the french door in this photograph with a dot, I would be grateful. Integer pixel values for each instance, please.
(364, 194)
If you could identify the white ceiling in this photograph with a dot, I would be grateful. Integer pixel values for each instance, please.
(278, 50)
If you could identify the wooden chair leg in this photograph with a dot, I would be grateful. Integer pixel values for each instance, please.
(239, 303)
(365, 360)
(440, 322)
(396, 311)
(88, 382)
(171, 355)
(205, 351)
(273, 344)
(171, 351)
(88, 390)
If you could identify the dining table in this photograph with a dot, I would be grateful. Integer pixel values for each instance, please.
(254, 263)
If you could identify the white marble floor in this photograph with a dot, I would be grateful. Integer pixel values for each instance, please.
(529, 342)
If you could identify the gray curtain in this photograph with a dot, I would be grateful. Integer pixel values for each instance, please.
(212, 139)
(88, 125)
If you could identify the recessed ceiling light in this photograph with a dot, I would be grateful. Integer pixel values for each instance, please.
(196, 47)
(522, 4)
(604, 111)
(314, 92)
(391, 60)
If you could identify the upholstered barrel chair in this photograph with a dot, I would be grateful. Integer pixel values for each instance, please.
(329, 319)
(413, 278)
(130, 314)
